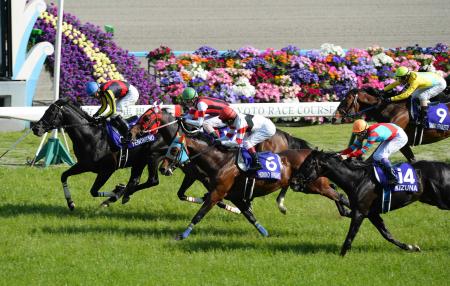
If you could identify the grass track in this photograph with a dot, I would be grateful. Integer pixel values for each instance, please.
(42, 243)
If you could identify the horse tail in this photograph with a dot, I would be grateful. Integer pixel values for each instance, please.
(294, 142)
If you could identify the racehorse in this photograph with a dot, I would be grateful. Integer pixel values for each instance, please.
(358, 181)
(93, 151)
(369, 101)
(228, 182)
(279, 142)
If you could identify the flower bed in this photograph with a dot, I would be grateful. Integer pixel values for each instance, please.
(249, 75)
(89, 54)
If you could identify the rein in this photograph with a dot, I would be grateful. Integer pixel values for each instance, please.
(359, 113)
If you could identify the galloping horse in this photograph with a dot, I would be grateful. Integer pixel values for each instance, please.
(93, 151)
(279, 142)
(368, 101)
(228, 182)
(358, 181)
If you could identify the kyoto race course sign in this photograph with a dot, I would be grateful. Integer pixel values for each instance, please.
(265, 109)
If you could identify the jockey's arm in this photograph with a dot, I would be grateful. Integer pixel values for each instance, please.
(103, 106)
(371, 139)
(391, 86)
(407, 93)
(200, 110)
(355, 146)
(111, 101)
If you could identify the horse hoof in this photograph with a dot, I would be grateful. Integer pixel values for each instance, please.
(282, 209)
(179, 237)
(262, 230)
(104, 204)
(71, 206)
(414, 247)
(125, 200)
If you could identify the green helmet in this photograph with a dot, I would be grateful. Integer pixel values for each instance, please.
(189, 93)
(401, 72)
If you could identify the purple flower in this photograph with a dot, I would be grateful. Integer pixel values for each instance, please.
(207, 52)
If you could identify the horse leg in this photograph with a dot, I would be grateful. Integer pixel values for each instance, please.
(378, 222)
(280, 200)
(74, 170)
(246, 210)
(98, 184)
(211, 199)
(408, 153)
(357, 219)
(136, 172)
(322, 186)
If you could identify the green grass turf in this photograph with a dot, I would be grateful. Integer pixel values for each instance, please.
(43, 243)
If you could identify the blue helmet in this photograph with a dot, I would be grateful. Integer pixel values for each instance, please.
(91, 88)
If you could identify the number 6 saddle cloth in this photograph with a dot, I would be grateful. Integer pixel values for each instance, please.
(270, 162)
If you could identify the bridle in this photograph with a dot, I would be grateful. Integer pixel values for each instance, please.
(355, 104)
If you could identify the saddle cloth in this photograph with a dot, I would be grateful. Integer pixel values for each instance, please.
(270, 162)
(438, 116)
(406, 175)
(115, 136)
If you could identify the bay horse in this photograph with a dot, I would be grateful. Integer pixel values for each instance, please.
(228, 182)
(358, 181)
(93, 151)
(279, 142)
(369, 102)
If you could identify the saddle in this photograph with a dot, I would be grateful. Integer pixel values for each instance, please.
(407, 178)
(115, 137)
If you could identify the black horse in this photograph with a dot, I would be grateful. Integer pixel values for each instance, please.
(358, 181)
(94, 152)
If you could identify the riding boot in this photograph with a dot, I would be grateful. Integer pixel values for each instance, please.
(392, 179)
(122, 127)
(423, 115)
(256, 165)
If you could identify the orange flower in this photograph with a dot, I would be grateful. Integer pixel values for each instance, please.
(230, 63)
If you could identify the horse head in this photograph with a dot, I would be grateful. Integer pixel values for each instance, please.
(56, 116)
(177, 155)
(357, 102)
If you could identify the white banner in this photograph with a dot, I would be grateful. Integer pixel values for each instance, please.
(265, 109)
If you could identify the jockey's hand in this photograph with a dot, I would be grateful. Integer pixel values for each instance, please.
(344, 157)
(217, 142)
(99, 119)
(386, 99)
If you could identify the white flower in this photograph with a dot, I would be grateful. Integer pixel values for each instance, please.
(243, 87)
(382, 59)
(197, 71)
(328, 48)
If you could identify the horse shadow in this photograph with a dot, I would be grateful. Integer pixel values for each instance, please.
(14, 210)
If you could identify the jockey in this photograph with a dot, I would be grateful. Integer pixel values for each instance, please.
(205, 109)
(258, 127)
(392, 139)
(422, 85)
(117, 95)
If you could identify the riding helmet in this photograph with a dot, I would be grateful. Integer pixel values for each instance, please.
(91, 88)
(359, 126)
(401, 72)
(227, 113)
(189, 93)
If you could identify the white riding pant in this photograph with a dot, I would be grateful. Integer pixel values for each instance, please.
(258, 135)
(129, 99)
(209, 124)
(389, 147)
(424, 94)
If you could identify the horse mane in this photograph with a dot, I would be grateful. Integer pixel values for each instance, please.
(294, 142)
(77, 108)
(350, 164)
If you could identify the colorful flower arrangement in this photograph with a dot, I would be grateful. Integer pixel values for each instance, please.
(89, 54)
(290, 74)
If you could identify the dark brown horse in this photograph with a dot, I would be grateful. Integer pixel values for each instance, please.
(358, 181)
(228, 182)
(279, 142)
(369, 102)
